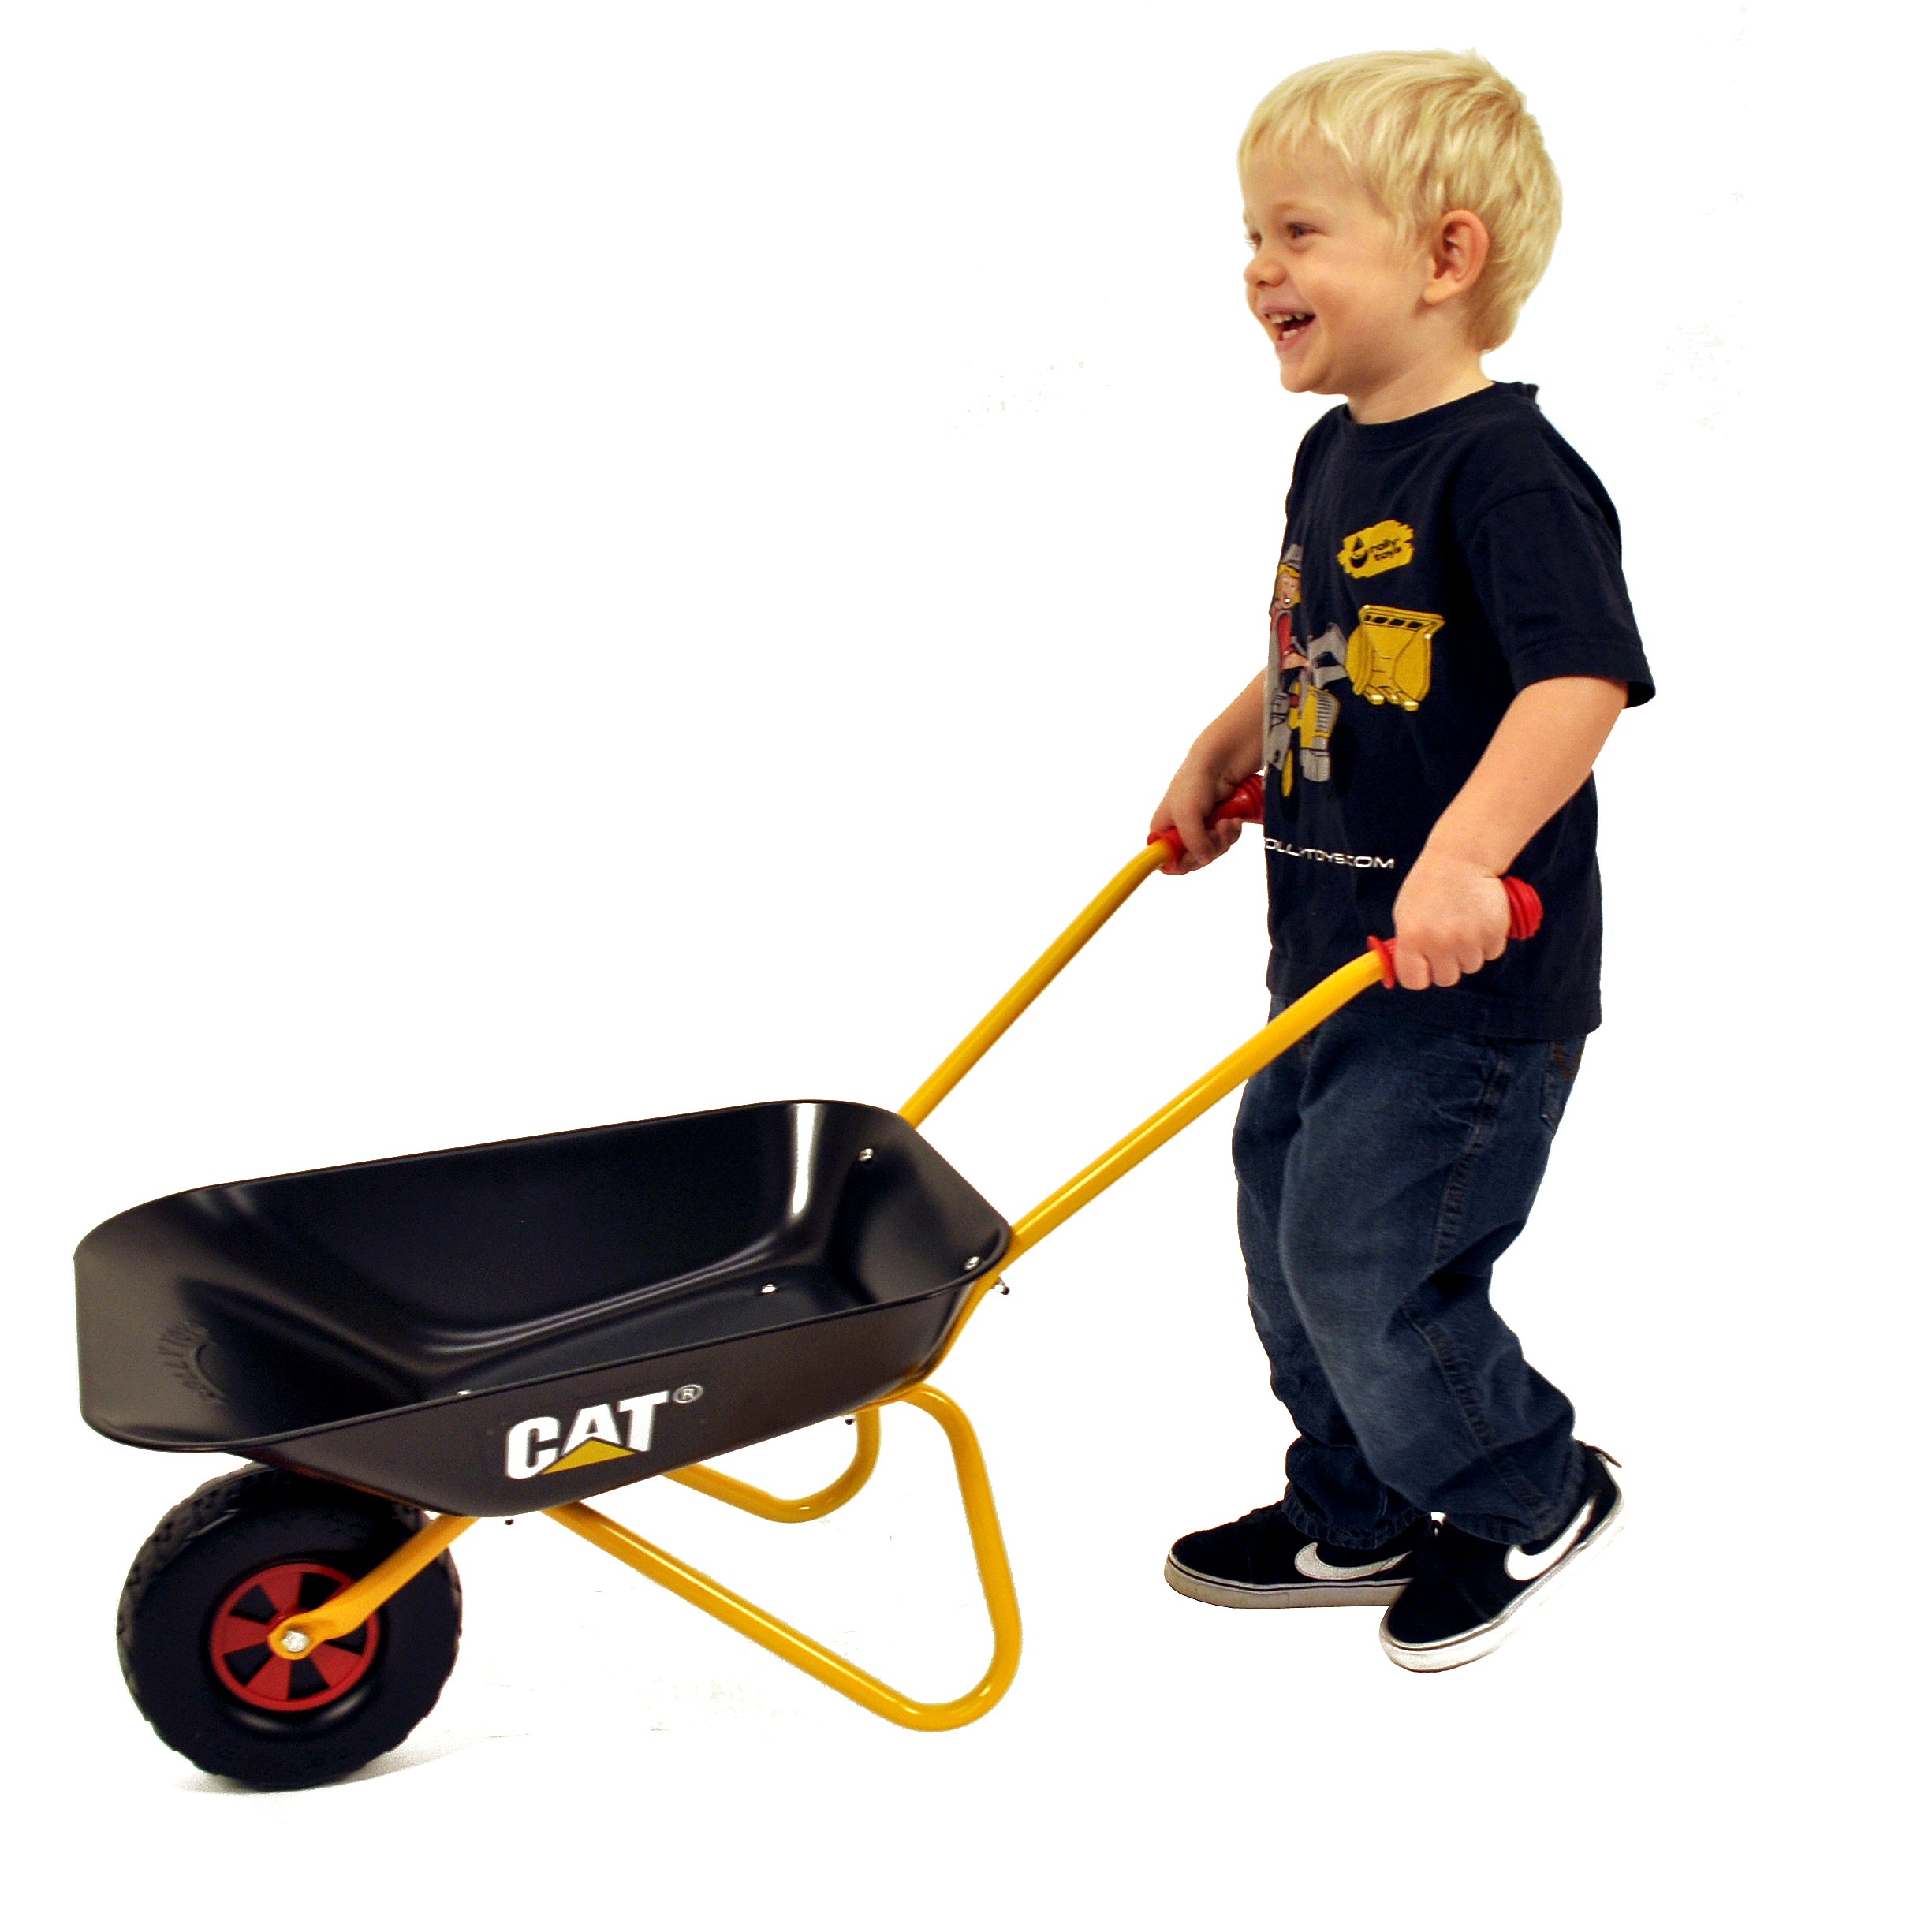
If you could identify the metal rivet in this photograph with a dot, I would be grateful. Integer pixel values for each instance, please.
(865, 1154)
(771, 1287)
(972, 1262)
(292, 1642)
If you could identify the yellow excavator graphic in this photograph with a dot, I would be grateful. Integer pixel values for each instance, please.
(1389, 655)
(1386, 660)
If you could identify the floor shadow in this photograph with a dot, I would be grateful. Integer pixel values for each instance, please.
(407, 1757)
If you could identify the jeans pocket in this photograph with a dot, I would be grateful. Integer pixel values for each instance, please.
(1560, 1072)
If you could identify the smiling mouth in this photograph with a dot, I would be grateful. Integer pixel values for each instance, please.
(1285, 328)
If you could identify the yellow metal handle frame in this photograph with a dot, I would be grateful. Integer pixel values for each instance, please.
(1035, 981)
(837, 1672)
(1275, 1040)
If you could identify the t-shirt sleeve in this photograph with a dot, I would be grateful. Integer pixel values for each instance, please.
(1545, 568)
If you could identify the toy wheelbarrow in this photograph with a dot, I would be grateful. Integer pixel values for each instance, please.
(516, 1327)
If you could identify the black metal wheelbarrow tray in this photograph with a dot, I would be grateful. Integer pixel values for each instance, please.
(500, 1329)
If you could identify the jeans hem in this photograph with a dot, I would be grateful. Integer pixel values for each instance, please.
(1309, 1525)
(1494, 1530)
(1461, 1387)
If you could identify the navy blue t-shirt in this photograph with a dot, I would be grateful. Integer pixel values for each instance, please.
(1432, 567)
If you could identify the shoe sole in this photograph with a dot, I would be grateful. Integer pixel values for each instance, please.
(1309, 1596)
(1458, 1650)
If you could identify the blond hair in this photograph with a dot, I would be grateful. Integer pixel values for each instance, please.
(1423, 133)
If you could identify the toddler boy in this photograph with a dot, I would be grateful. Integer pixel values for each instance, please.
(1449, 643)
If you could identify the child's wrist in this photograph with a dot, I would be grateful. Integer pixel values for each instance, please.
(1216, 764)
(1465, 851)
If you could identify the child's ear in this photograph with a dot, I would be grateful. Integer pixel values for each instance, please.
(1457, 251)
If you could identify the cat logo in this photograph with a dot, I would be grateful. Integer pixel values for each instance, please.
(532, 1448)
(1385, 545)
(1389, 655)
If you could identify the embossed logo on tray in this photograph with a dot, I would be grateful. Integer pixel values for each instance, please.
(180, 1344)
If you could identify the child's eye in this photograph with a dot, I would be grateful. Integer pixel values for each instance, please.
(1254, 241)
(1296, 229)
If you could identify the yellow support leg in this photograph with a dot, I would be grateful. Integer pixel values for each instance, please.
(831, 1669)
(724, 1489)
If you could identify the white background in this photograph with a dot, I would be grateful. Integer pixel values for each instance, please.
(569, 563)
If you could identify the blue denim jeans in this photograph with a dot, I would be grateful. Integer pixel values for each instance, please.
(1384, 1166)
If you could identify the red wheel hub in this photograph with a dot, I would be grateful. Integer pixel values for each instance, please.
(238, 1640)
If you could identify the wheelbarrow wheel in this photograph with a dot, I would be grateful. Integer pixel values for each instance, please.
(220, 1569)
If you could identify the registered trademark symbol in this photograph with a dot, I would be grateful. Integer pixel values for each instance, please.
(689, 1392)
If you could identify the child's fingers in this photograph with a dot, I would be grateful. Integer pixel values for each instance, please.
(1411, 967)
(1202, 842)
(1437, 960)
(1192, 824)
(1215, 840)
(1455, 956)
(1441, 946)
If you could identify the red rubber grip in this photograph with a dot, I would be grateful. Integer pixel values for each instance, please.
(1526, 909)
(1525, 917)
(1242, 805)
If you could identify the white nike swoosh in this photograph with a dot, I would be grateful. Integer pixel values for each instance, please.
(1312, 1567)
(1524, 1569)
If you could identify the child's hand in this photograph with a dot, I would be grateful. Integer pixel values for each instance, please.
(1451, 915)
(1222, 757)
(1194, 793)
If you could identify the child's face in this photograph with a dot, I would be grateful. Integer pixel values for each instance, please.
(1324, 250)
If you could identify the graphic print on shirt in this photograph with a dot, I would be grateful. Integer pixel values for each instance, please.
(1284, 659)
(1389, 654)
(1301, 709)
(1317, 709)
(1385, 545)
(1386, 659)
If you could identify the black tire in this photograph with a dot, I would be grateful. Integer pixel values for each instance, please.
(229, 1531)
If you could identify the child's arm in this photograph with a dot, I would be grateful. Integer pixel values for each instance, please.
(1451, 914)
(1225, 754)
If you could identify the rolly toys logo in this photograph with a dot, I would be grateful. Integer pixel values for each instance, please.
(533, 1448)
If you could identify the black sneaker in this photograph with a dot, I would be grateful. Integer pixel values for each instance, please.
(1261, 1561)
(1468, 1591)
